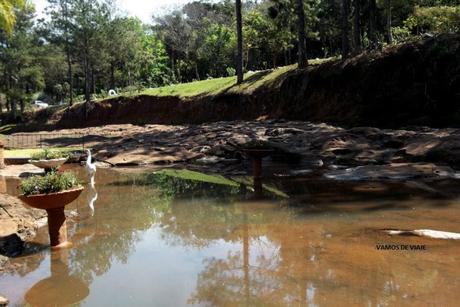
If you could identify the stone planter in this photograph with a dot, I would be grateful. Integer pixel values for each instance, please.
(54, 204)
(48, 164)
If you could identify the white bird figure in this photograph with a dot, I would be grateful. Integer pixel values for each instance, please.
(90, 167)
(91, 203)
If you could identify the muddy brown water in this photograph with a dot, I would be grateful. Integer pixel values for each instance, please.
(169, 242)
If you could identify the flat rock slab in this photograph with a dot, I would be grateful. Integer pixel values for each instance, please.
(397, 171)
(14, 171)
(144, 157)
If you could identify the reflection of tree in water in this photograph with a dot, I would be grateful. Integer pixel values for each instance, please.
(106, 237)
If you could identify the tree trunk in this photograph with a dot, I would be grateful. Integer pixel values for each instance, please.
(302, 52)
(389, 35)
(357, 27)
(173, 66)
(197, 73)
(239, 33)
(112, 76)
(345, 28)
(87, 83)
(372, 34)
(69, 76)
(93, 81)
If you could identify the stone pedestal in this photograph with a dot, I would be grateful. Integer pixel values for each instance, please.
(57, 228)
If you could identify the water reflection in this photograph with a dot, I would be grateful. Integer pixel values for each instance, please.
(166, 240)
(59, 289)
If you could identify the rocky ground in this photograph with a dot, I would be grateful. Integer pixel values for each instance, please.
(17, 225)
(363, 151)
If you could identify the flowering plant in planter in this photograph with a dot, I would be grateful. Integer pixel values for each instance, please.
(52, 182)
(48, 154)
(52, 192)
(49, 159)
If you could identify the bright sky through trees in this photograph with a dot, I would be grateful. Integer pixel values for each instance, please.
(143, 9)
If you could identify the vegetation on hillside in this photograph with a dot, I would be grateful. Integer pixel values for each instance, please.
(85, 48)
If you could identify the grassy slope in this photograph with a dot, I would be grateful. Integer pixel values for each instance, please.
(252, 81)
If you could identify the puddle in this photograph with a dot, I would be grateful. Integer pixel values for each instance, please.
(179, 238)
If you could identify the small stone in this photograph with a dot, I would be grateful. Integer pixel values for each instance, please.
(3, 301)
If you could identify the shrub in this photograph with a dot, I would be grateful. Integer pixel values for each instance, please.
(47, 154)
(434, 19)
(52, 182)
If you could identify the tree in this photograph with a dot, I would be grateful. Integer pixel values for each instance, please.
(22, 74)
(388, 33)
(62, 29)
(302, 44)
(345, 28)
(358, 44)
(239, 34)
(372, 24)
(90, 40)
(7, 14)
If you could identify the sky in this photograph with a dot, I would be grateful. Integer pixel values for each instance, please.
(143, 9)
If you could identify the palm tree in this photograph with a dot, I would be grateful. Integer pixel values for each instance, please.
(239, 32)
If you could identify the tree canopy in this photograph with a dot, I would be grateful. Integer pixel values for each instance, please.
(84, 48)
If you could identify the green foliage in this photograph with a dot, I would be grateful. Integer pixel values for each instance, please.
(434, 19)
(231, 72)
(401, 34)
(52, 182)
(49, 154)
(7, 13)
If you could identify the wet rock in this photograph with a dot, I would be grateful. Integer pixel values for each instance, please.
(428, 233)
(11, 246)
(4, 301)
(401, 171)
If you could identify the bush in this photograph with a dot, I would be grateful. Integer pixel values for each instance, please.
(436, 19)
(52, 182)
(401, 34)
(47, 154)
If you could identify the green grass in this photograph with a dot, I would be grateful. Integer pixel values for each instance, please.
(196, 176)
(252, 81)
(27, 153)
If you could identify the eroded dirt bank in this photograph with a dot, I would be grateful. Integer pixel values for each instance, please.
(412, 84)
